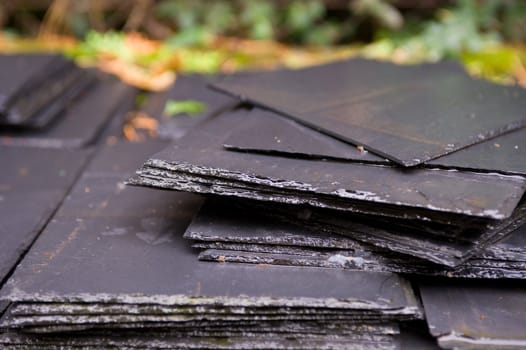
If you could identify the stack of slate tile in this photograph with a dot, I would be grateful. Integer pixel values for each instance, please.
(113, 270)
(36, 88)
(47, 101)
(52, 109)
(345, 194)
(364, 166)
(439, 211)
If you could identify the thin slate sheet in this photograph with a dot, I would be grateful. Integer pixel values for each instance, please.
(186, 88)
(431, 190)
(106, 233)
(348, 186)
(239, 233)
(33, 183)
(476, 314)
(81, 123)
(36, 100)
(268, 132)
(200, 164)
(18, 72)
(448, 244)
(162, 341)
(408, 114)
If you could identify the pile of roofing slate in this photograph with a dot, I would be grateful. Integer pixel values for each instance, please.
(36, 88)
(112, 269)
(364, 166)
(345, 192)
(50, 110)
(47, 101)
(435, 199)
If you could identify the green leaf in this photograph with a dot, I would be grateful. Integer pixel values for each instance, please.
(190, 107)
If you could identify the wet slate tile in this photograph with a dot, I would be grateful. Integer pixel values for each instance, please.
(504, 154)
(268, 132)
(404, 113)
(246, 235)
(221, 221)
(481, 315)
(200, 164)
(34, 101)
(443, 191)
(350, 184)
(33, 183)
(85, 254)
(18, 71)
(81, 123)
(160, 341)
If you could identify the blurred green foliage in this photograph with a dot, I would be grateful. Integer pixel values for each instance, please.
(189, 107)
(114, 44)
(461, 24)
(298, 21)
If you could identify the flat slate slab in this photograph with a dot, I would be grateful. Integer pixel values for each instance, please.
(78, 125)
(33, 183)
(36, 88)
(471, 194)
(476, 315)
(113, 259)
(101, 219)
(238, 233)
(445, 216)
(408, 114)
(264, 131)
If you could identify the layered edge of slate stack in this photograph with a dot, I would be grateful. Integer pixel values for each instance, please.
(233, 232)
(81, 122)
(33, 184)
(35, 100)
(200, 164)
(112, 267)
(476, 314)
(403, 113)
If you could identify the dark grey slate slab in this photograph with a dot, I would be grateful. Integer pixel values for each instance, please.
(160, 341)
(460, 203)
(219, 221)
(186, 87)
(33, 183)
(73, 85)
(81, 123)
(503, 154)
(246, 235)
(431, 190)
(267, 132)
(352, 185)
(36, 100)
(107, 233)
(18, 72)
(476, 315)
(445, 244)
(473, 269)
(409, 114)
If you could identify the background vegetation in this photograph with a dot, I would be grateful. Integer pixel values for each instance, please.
(144, 38)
